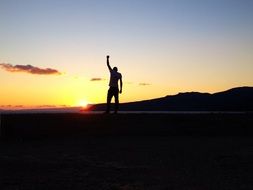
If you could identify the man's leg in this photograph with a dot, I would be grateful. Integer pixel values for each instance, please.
(116, 96)
(109, 98)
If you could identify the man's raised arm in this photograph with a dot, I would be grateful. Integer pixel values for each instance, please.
(108, 64)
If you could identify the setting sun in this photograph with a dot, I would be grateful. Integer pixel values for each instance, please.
(83, 103)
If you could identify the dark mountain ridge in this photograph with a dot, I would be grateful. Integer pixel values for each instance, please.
(235, 99)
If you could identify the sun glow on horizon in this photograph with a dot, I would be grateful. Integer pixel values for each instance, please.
(83, 103)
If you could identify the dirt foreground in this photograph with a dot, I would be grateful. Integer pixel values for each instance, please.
(126, 152)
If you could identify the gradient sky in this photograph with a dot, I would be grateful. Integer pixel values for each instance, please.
(161, 47)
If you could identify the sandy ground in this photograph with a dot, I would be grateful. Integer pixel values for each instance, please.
(127, 156)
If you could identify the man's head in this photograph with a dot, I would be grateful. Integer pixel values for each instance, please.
(115, 69)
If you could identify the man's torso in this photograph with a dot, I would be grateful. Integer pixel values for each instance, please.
(115, 76)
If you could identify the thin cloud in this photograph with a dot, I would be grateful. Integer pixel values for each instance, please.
(144, 84)
(29, 69)
(96, 79)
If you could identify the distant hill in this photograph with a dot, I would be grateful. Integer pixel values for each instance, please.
(236, 99)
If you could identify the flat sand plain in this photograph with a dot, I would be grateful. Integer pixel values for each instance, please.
(126, 151)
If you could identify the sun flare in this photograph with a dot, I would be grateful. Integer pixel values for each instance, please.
(83, 103)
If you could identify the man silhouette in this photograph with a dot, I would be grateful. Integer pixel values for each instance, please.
(115, 76)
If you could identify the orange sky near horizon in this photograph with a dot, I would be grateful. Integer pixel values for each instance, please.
(27, 90)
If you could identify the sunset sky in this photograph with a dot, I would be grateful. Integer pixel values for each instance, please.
(53, 52)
